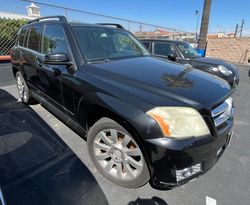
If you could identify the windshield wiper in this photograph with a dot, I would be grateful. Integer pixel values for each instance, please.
(106, 60)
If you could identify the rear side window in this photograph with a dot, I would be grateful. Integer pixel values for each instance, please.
(164, 49)
(35, 38)
(22, 36)
(147, 44)
(54, 40)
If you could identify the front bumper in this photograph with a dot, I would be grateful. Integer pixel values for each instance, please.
(166, 156)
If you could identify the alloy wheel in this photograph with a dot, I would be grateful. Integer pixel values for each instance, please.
(118, 154)
(21, 88)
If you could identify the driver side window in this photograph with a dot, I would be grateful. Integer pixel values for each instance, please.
(164, 49)
(54, 40)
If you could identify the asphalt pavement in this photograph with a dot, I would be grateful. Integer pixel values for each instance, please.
(227, 183)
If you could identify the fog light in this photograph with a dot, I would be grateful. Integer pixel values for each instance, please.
(187, 172)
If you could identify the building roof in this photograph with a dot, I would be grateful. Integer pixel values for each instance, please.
(212, 36)
(12, 16)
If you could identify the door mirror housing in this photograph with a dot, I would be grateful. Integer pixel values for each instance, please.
(172, 57)
(60, 59)
(57, 59)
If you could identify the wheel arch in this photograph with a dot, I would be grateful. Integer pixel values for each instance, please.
(97, 112)
(14, 71)
(116, 110)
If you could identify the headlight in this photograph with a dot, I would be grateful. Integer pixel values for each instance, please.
(179, 122)
(221, 69)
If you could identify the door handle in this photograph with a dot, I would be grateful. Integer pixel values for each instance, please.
(39, 62)
(39, 65)
(56, 71)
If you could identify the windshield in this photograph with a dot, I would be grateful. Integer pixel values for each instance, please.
(187, 50)
(97, 44)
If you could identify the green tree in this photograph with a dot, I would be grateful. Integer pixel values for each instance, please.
(8, 33)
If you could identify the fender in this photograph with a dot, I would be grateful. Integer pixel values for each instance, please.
(127, 113)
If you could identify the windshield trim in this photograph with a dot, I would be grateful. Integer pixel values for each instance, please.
(106, 60)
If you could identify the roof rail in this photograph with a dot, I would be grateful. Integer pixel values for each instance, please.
(60, 18)
(112, 24)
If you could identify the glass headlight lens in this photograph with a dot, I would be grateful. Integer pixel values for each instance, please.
(179, 122)
(224, 70)
(215, 69)
(221, 69)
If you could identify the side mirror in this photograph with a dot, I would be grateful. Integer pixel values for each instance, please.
(57, 59)
(172, 57)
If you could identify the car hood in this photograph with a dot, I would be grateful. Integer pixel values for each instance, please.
(209, 62)
(159, 82)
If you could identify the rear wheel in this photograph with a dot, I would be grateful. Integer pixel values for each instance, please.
(116, 154)
(23, 90)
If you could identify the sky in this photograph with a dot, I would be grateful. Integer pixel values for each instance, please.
(178, 14)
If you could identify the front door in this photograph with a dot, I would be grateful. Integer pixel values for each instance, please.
(164, 49)
(54, 41)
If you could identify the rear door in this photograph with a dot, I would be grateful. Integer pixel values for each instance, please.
(31, 51)
(17, 56)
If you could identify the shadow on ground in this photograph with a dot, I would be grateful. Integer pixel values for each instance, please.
(154, 201)
(36, 166)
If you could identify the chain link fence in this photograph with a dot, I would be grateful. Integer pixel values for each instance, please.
(14, 13)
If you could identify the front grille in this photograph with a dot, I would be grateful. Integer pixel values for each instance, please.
(222, 112)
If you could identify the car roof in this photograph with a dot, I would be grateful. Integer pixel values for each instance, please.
(76, 24)
(92, 25)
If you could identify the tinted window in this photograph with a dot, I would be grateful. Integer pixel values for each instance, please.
(35, 37)
(54, 40)
(187, 50)
(147, 44)
(163, 49)
(22, 37)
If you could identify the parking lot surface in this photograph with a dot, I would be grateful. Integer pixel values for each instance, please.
(227, 183)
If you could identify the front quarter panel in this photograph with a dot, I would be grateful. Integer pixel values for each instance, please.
(92, 91)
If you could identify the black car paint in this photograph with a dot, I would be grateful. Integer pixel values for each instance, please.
(36, 166)
(202, 63)
(125, 90)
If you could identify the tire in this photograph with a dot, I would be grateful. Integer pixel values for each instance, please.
(121, 151)
(22, 88)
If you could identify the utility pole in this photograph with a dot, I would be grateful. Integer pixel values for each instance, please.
(242, 25)
(204, 24)
(197, 13)
(236, 30)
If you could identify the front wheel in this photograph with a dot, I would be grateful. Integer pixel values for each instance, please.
(116, 154)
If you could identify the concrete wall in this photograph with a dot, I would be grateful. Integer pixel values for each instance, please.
(236, 50)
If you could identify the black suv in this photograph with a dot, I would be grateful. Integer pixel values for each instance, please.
(184, 53)
(143, 117)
